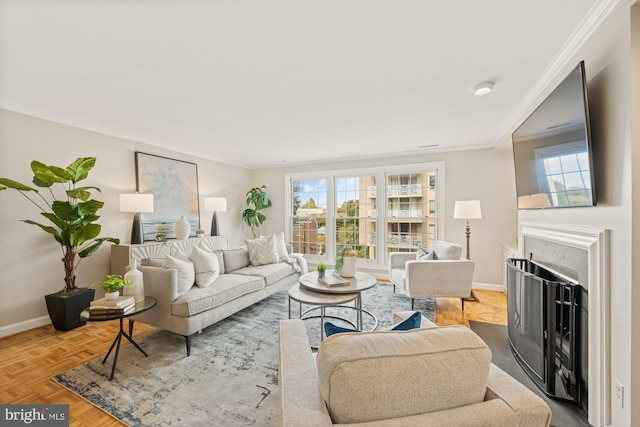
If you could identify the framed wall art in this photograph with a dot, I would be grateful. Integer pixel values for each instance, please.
(174, 185)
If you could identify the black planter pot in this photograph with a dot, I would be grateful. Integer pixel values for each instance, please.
(65, 307)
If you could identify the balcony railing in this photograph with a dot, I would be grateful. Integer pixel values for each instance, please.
(404, 190)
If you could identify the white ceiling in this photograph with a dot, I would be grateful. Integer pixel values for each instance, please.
(258, 83)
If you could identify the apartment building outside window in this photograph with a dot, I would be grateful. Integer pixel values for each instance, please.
(373, 211)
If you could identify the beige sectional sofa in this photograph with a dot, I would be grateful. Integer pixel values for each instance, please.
(431, 376)
(238, 285)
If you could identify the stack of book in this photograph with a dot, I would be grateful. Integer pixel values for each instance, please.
(107, 309)
(334, 281)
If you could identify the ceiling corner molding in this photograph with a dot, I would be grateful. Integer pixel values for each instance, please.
(598, 13)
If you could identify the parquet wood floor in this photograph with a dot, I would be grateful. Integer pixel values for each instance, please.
(28, 360)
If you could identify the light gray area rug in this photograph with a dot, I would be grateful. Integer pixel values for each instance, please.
(231, 377)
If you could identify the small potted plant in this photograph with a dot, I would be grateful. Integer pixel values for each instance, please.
(200, 232)
(161, 237)
(321, 268)
(112, 286)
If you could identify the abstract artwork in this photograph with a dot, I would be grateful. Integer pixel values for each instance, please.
(174, 185)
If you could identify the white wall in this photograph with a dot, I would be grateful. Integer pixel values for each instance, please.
(31, 260)
(486, 175)
(607, 62)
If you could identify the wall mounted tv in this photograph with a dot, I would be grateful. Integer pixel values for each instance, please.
(552, 149)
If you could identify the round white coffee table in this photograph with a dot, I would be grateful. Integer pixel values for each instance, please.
(313, 292)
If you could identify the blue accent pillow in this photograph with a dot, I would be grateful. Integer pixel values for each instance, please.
(411, 322)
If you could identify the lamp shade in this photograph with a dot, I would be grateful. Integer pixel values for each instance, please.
(136, 202)
(467, 209)
(215, 204)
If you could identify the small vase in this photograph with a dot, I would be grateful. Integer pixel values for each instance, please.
(136, 287)
(321, 273)
(111, 296)
(182, 229)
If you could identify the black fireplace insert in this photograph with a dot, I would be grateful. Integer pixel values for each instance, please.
(544, 327)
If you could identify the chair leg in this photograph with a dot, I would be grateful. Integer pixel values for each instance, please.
(412, 301)
(462, 301)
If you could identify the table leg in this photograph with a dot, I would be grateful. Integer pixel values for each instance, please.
(116, 344)
(131, 327)
(289, 307)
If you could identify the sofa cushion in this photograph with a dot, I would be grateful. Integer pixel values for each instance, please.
(388, 374)
(185, 269)
(271, 273)
(226, 288)
(262, 250)
(235, 259)
(206, 266)
(445, 250)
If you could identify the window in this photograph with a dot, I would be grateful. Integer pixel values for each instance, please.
(355, 214)
(333, 209)
(309, 220)
(411, 214)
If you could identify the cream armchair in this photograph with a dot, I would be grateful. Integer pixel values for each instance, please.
(446, 276)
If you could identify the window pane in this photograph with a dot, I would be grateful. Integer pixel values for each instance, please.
(409, 223)
(308, 224)
(355, 214)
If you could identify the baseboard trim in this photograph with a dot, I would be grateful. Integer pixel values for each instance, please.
(16, 328)
(489, 287)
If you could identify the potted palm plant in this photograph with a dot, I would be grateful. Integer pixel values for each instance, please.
(71, 216)
(257, 201)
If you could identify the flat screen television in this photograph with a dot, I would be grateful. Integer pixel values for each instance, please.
(552, 149)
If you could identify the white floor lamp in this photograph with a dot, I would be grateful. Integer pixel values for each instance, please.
(468, 209)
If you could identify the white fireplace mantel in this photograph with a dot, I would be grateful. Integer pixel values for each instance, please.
(594, 240)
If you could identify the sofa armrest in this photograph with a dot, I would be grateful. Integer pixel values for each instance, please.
(533, 411)
(300, 401)
(162, 284)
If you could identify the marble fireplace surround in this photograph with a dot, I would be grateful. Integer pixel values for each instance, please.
(584, 250)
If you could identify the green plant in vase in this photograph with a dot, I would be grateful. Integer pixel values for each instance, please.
(321, 268)
(113, 283)
(339, 262)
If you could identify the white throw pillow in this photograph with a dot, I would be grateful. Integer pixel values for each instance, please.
(281, 246)
(263, 250)
(206, 266)
(186, 272)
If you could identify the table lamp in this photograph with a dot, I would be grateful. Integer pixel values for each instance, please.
(137, 203)
(215, 204)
